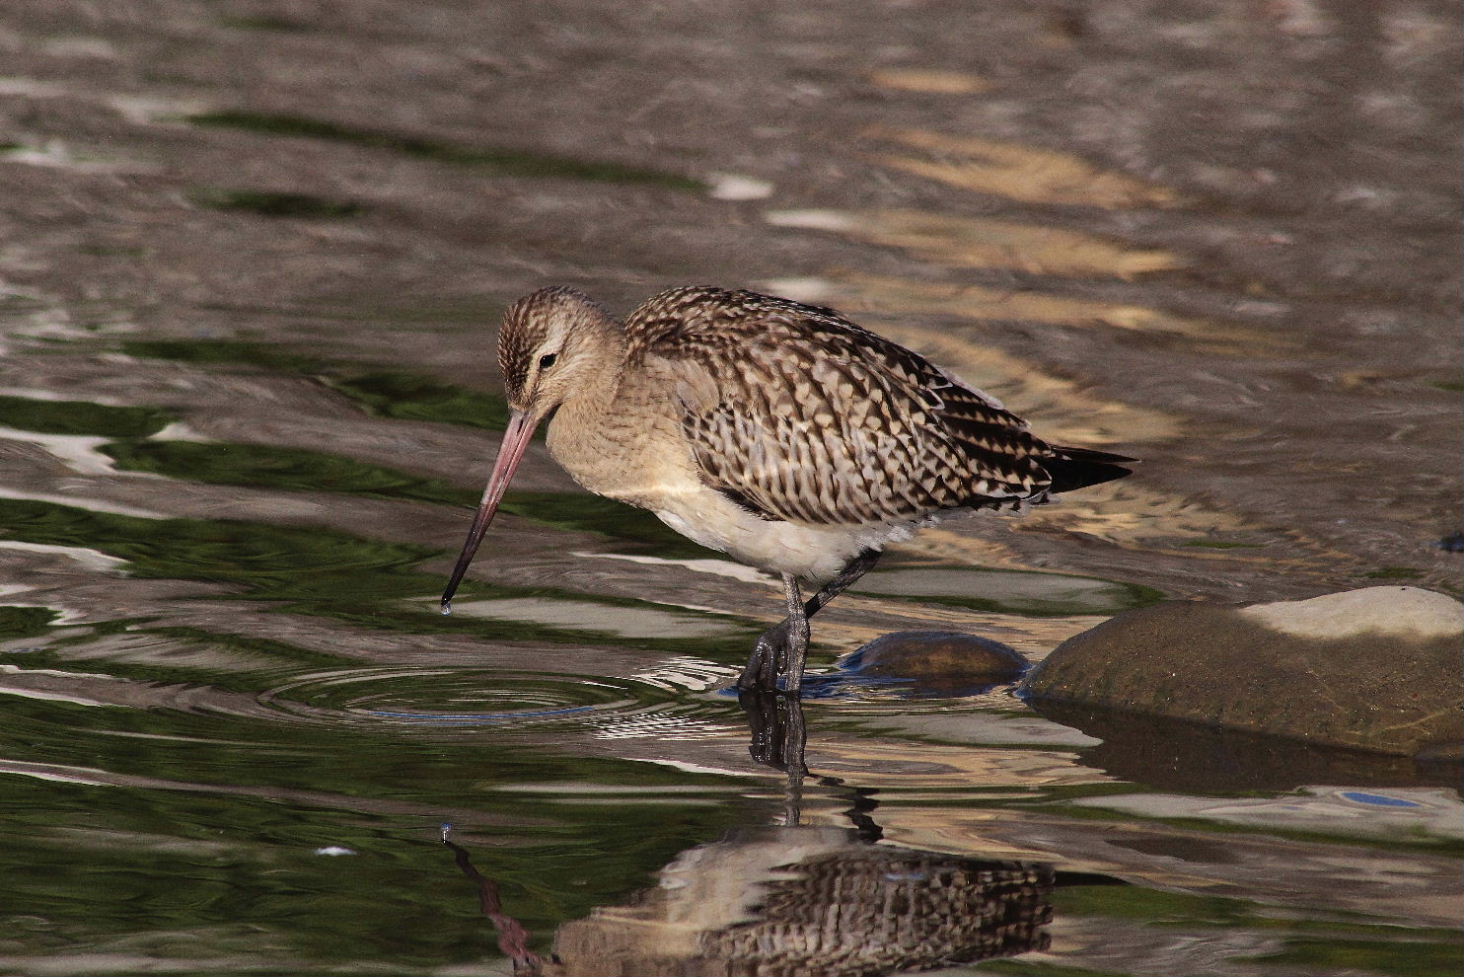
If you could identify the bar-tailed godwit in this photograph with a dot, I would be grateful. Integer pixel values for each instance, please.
(781, 434)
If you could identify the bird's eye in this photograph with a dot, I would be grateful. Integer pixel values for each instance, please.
(547, 360)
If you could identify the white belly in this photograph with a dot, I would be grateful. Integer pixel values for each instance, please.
(812, 553)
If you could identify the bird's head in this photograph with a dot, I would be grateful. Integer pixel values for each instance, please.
(546, 346)
(551, 343)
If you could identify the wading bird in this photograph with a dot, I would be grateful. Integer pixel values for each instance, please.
(781, 434)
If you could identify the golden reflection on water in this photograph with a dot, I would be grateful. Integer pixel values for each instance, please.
(1134, 515)
(1065, 411)
(1139, 518)
(1025, 173)
(905, 765)
(1062, 409)
(930, 80)
(982, 242)
(984, 304)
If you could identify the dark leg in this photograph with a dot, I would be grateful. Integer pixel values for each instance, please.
(855, 569)
(786, 644)
(795, 649)
(770, 658)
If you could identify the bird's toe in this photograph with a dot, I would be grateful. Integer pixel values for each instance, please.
(769, 660)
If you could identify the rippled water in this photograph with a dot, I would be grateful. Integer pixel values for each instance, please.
(252, 254)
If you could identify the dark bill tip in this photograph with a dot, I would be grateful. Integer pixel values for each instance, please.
(515, 442)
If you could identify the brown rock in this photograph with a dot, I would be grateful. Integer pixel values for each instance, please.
(944, 659)
(1375, 669)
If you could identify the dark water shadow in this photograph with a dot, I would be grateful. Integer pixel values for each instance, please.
(1192, 758)
(506, 161)
(793, 898)
(275, 203)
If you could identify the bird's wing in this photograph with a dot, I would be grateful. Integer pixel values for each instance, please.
(798, 414)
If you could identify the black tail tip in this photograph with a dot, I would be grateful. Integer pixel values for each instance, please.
(1075, 468)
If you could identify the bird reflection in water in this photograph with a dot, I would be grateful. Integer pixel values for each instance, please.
(796, 899)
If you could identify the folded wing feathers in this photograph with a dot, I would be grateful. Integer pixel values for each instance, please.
(802, 415)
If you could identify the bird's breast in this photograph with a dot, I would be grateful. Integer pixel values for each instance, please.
(630, 453)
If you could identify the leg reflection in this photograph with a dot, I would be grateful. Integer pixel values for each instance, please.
(778, 738)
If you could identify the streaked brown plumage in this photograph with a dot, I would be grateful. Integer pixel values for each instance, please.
(780, 433)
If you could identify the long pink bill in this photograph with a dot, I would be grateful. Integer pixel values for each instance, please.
(516, 439)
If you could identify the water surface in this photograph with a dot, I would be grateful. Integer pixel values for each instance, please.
(254, 254)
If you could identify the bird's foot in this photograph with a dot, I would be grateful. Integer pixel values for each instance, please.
(761, 673)
(776, 663)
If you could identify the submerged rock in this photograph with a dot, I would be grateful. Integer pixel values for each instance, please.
(925, 664)
(1375, 669)
(938, 654)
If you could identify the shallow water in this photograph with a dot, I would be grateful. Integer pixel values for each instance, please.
(251, 259)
